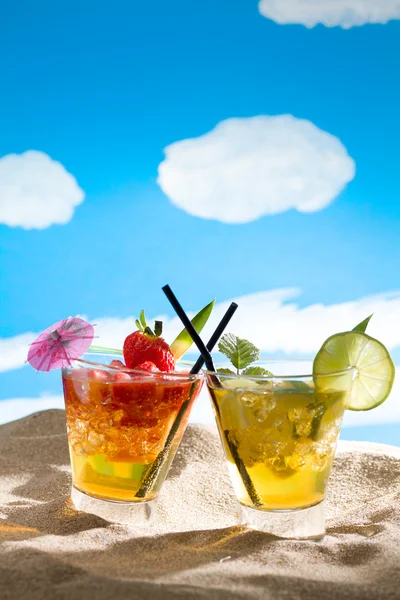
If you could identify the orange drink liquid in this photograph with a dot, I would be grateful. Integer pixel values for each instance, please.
(118, 424)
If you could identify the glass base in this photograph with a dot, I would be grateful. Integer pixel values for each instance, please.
(135, 514)
(300, 524)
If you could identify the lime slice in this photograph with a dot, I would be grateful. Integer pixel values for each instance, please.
(355, 363)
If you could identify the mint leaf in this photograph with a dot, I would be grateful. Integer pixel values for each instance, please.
(240, 352)
(257, 372)
(361, 327)
(226, 372)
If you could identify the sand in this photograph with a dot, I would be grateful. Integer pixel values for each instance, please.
(195, 549)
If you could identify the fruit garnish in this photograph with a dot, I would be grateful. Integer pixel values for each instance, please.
(147, 346)
(241, 354)
(122, 376)
(182, 343)
(117, 364)
(97, 375)
(147, 366)
(355, 363)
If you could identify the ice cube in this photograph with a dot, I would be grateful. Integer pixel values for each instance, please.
(78, 374)
(303, 427)
(319, 462)
(78, 449)
(246, 398)
(261, 414)
(277, 463)
(117, 416)
(80, 425)
(96, 439)
(111, 449)
(294, 414)
(295, 461)
(304, 446)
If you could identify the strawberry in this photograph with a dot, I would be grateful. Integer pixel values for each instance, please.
(145, 346)
(117, 364)
(119, 375)
(97, 375)
(148, 366)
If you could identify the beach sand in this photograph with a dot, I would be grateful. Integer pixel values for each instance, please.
(194, 550)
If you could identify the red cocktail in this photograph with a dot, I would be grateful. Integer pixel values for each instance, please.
(124, 427)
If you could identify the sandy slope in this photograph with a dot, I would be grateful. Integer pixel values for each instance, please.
(195, 550)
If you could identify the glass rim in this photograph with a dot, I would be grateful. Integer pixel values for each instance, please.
(274, 377)
(88, 364)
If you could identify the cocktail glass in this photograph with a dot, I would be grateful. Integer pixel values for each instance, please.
(124, 427)
(279, 435)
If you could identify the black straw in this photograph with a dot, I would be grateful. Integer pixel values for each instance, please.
(215, 336)
(156, 467)
(189, 327)
(206, 357)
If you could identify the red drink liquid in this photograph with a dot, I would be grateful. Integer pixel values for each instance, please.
(118, 423)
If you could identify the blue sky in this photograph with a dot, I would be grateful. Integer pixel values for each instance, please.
(104, 89)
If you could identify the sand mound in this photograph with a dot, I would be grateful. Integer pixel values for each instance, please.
(195, 550)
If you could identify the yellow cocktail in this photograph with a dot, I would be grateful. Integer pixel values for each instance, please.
(279, 435)
(284, 437)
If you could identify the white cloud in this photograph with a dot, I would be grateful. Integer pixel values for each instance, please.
(247, 168)
(16, 408)
(345, 13)
(36, 191)
(14, 351)
(273, 321)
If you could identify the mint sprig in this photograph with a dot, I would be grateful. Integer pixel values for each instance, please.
(242, 354)
(256, 372)
(226, 372)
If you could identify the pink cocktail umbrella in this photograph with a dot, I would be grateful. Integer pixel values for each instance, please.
(60, 344)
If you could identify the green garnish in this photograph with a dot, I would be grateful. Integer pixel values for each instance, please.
(355, 363)
(142, 319)
(180, 345)
(242, 354)
(256, 372)
(141, 324)
(362, 327)
(183, 342)
(226, 372)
